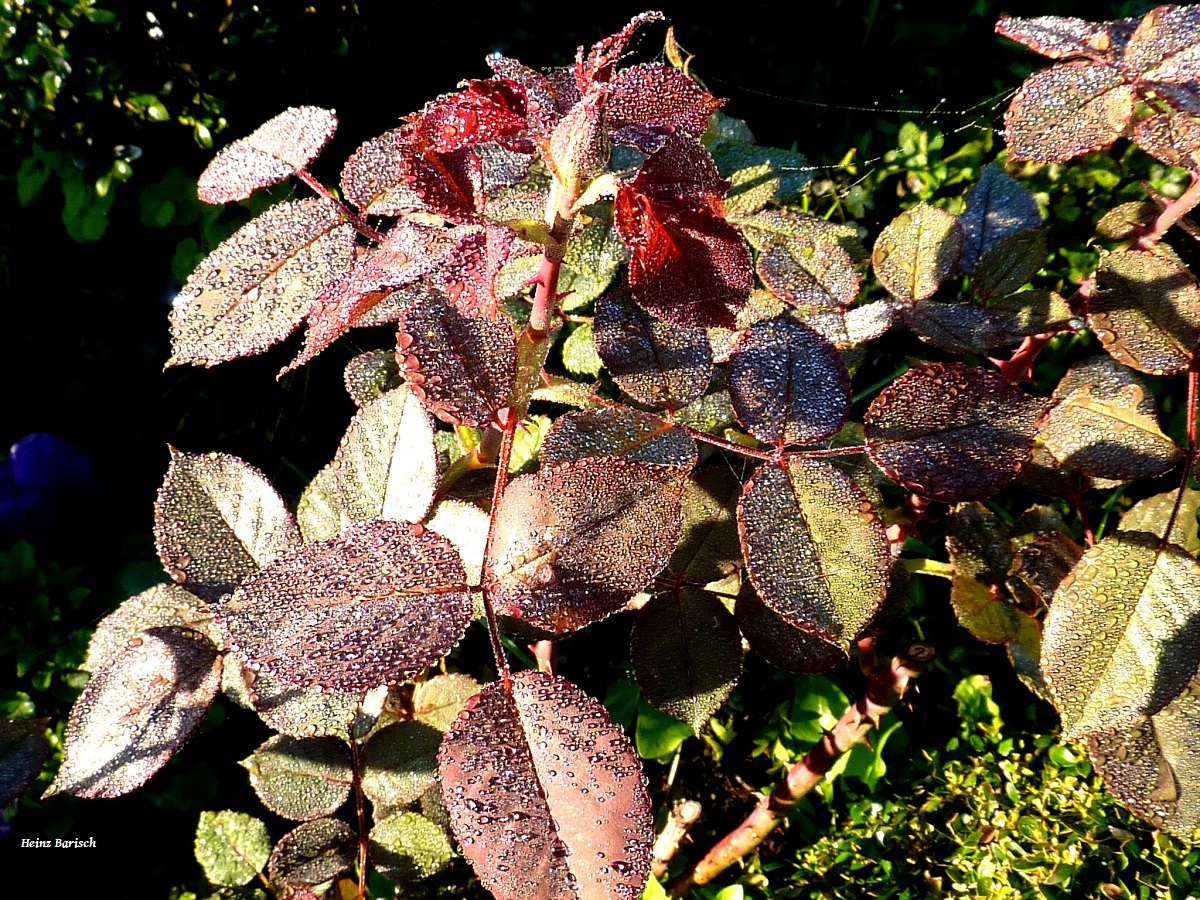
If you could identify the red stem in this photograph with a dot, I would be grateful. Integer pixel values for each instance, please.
(363, 833)
(506, 443)
(1171, 214)
(359, 223)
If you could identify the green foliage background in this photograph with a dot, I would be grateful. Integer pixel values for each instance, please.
(111, 110)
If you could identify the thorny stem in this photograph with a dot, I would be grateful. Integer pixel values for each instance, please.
(1172, 213)
(684, 814)
(1193, 389)
(359, 223)
(885, 687)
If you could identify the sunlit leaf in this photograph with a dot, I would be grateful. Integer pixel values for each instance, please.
(300, 778)
(1146, 311)
(438, 701)
(312, 854)
(387, 465)
(1126, 221)
(1025, 652)
(916, 251)
(370, 375)
(231, 847)
(133, 716)
(161, 604)
(321, 511)
(978, 545)
(482, 111)
(1170, 138)
(964, 327)
(709, 548)
(461, 367)
(848, 328)
(997, 207)
(373, 605)
(591, 262)
(579, 354)
(815, 547)
(303, 712)
(687, 654)
(545, 794)
(656, 363)
(1152, 765)
(1009, 263)
(407, 847)
(400, 763)
(623, 432)
(466, 527)
(23, 751)
(1153, 513)
(649, 102)
(272, 152)
(759, 175)
(217, 520)
(783, 645)
(809, 273)
(254, 289)
(788, 384)
(951, 432)
(574, 542)
(1122, 637)
(1040, 566)
(1060, 37)
(1166, 45)
(373, 181)
(1067, 110)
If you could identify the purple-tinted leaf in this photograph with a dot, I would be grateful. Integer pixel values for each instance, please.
(274, 151)
(709, 548)
(545, 794)
(374, 605)
(254, 289)
(44, 462)
(370, 375)
(1060, 37)
(448, 184)
(482, 111)
(23, 751)
(1183, 97)
(964, 327)
(406, 846)
(1067, 110)
(598, 65)
(133, 716)
(1146, 311)
(808, 273)
(1170, 138)
(373, 181)
(788, 384)
(951, 432)
(687, 654)
(1009, 263)
(916, 251)
(622, 432)
(1166, 45)
(400, 763)
(162, 604)
(997, 207)
(217, 520)
(1122, 637)
(544, 104)
(300, 779)
(978, 546)
(656, 363)
(312, 854)
(815, 547)
(1039, 568)
(650, 102)
(574, 542)
(1152, 765)
(1127, 221)
(461, 367)
(783, 645)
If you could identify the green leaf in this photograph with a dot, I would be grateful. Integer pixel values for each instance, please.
(370, 375)
(1153, 513)
(620, 432)
(464, 525)
(400, 763)
(978, 544)
(407, 846)
(161, 604)
(916, 251)
(591, 262)
(1012, 262)
(658, 734)
(438, 701)
(579, 352)
(709, 548)
(232, 847)
(1122, 637)
(300, 778)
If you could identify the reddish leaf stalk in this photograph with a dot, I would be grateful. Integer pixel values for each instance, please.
(1171, 214)
(1189, 454)
(885, 687)
(363, 831)
(510, 429)
(359, 223)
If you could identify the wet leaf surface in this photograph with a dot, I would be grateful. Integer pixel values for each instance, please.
(916, 251)
(133, 716)
(274, 151)
(231, 847)
(759, 175)
(400, 763)
(979, 550)
(302, 712)
(1152, 765)
(590, 264)
(964, 327)
(808, 273)
(376, 604)
(574, 542)
(1039, 568)
(788, 384)
(373, 181)
(1122, 637)
(656, 363)
(161, 604)
(1153, 513)
(1146, 311)
(438, 701)
(782, 645)
(464, 525)
(1025, 652)
(709, 548)
(1166, 45)
(1170, 138)
(312, 854)
(300, 778)
(846, 329)
(815, 547)
(998, 207)
(619, 432)
(770, 225)
(1009, 264)
(1060, 37)
(24, 749)
(387, 466)
(951, 432)
(650, 101)
(370, 375)
(1067, 110)
(545, 794)
(687, 654)
(321, 511)
(254, 289)
(406, 846)
(217, 520)
(579, 354)
(461, 367)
